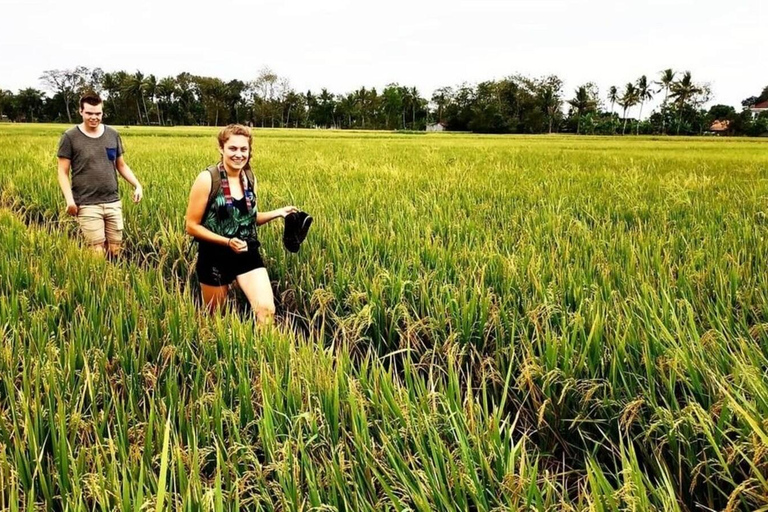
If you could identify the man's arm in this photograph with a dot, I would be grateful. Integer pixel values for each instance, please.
(66, 187)
(128, 176)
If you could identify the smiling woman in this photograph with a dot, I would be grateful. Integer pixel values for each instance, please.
(222, 216)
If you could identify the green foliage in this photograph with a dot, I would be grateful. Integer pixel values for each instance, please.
(515, 104)
(763, 95)
(722, 112)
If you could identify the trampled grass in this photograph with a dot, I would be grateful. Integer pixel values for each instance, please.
(475, 323)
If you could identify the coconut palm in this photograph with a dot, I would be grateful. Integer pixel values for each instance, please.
(441, 98)
(150, 91)
(628, 100)
(133, 88)
(582, 102)
(551, 102)
(667, 77)
(364, 102)
(415, 105)
(346, 107)
(681, 91)
(644, 93)
(613, 97)
(166, 89)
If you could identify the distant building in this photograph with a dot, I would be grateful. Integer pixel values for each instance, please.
(720, 127)
(437, 127)
(759, 107)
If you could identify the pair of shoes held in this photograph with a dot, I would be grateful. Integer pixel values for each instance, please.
(296, 228)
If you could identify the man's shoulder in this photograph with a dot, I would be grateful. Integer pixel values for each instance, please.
(74, 130)
(108, 129)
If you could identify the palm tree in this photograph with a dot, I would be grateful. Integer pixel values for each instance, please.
(346, 106)
(362, 101)
(667, 77)
(613, 97)
(112, 84)
(441, 98)
(681, 91)
(166, 89)
(582, 102)
(327, 104)
(150, 87)
(628, 100)
(644, 93)
(550, 102)
(133, 87)
(415, 101)
(405, 97)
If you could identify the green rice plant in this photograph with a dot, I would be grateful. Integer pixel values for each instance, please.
(475, 323)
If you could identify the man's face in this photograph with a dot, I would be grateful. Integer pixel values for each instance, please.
(92, 114)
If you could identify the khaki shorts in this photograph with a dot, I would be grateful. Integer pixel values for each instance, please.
(100, 222)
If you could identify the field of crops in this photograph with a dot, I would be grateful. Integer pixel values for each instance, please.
(474, 323)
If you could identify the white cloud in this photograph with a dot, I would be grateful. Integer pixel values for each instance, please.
(343, 44)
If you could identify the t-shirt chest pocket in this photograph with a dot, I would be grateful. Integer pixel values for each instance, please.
(112, 154)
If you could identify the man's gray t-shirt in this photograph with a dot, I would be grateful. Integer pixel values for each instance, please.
(93, 164)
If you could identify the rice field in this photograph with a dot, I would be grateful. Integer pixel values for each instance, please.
(474, 323)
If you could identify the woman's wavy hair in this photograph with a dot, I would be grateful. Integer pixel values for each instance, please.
(237, 129)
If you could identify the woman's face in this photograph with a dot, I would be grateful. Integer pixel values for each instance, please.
(235, 152)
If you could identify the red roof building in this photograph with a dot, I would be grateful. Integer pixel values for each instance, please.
(759, 107)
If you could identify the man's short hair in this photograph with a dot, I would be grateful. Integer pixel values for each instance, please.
(90, 98)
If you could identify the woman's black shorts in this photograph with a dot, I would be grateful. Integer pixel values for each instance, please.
(218, 265)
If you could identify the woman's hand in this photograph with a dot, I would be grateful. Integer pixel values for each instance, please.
(287, 210)
(237, 245)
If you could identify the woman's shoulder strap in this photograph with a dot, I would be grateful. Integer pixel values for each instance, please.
(213, 170)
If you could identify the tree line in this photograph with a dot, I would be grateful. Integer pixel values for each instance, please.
(516, 104)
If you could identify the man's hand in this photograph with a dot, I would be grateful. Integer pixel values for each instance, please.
(72, 209)
(138, 193)
(287, 210)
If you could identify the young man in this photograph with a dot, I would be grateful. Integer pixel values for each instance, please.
(94, 154)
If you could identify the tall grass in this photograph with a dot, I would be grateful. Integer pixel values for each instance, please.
(475, 323)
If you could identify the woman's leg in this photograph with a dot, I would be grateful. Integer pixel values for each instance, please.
(256, 286)
(214, 296)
